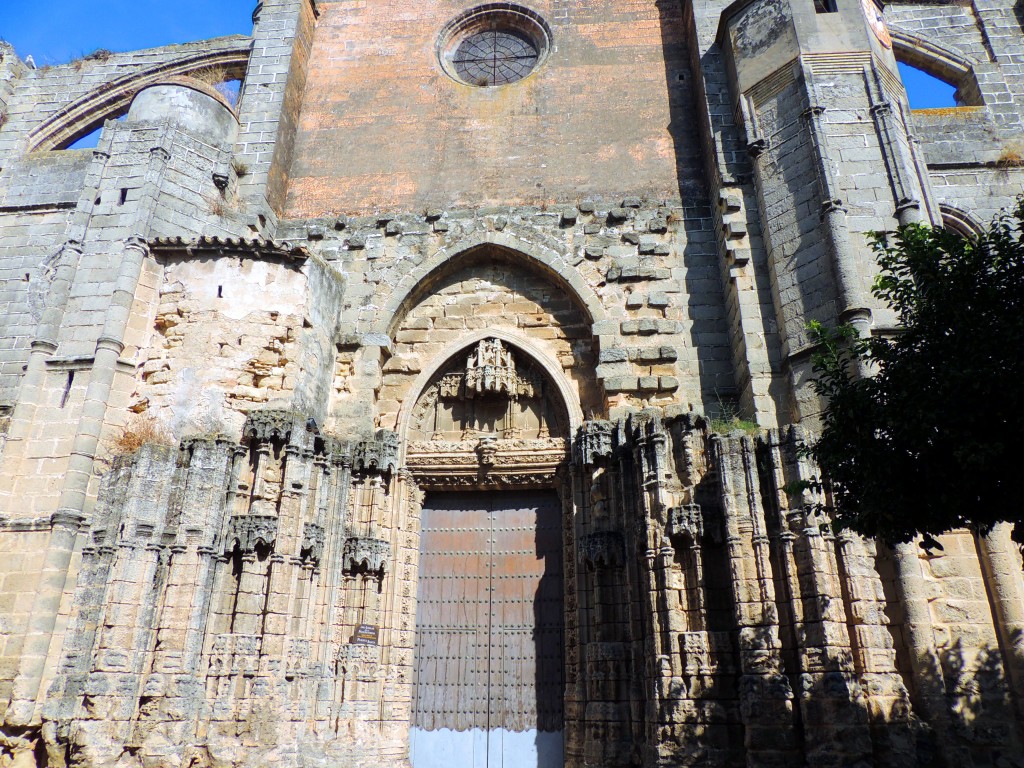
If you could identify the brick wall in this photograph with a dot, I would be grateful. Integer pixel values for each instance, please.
(383, 128)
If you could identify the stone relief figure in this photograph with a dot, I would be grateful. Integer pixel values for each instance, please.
(491, 369)
(494, 394)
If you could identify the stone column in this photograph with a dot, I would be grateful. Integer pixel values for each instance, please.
(929, 687)
(766, 697)
(874, 655)
(1001, 564)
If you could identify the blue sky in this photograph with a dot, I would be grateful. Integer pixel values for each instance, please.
(925, 91)
(56, 31)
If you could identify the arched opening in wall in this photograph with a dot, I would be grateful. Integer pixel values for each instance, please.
(488, 253)
(925, 91)
(111, 100)
(486, 439)
(488, 391)
(934, 77)
(231, 90)
(89, 136)
(489, 287)
(227, 82)
(960, 222)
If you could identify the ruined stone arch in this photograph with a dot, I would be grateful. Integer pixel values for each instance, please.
(943, 62)
(550, 262)
(569, 399)
(113, 98)
(960, 221)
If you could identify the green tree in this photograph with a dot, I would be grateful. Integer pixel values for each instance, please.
(933, 440)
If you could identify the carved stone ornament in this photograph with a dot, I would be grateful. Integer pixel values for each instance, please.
(379, 455)
(488, 461)
(603, 548)
(312, 543)
(596, 440)
(491, 368)
(696, 653)
(366, 555)
(498, 393)
(268, 425)
(235, 654)
(686, 522)
(487, 450)
(247, 531)
(338, 450)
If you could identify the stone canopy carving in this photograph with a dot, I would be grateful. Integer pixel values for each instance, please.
(491, 392)
(366, 555)
(489, 418)
(602, 548)
(596, 441)
(249, 531)
(491, 368)
(379, 455)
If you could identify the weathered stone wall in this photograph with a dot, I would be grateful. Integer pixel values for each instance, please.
(50, 107)
(642, 274)
(979, 193)
(265, 296)
(219, 653)
(230, 334)
(41, 192)
(487, 296)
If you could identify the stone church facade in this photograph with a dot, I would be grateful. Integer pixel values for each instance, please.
(385, 413)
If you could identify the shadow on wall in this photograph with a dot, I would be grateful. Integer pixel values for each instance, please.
(970, 725)
(682, 125)
(548, 634)
(1018, 10)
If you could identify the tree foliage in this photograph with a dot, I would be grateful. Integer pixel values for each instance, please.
(929, 442)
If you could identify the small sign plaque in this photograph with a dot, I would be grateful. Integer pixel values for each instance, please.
(365, 634)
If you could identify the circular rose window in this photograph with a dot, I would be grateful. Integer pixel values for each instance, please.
(493, 45)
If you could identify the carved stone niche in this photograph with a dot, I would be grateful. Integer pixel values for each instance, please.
(248, 531)
(492, 392)
(596, 441)
(273, 425)
(489, 418)
(377, 456)
(363, 555)
(603, 548)
(690, 525)
(686, 523)
(312, 548)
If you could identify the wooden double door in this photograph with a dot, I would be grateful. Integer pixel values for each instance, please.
(489, 632)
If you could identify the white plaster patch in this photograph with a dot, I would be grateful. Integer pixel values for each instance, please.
(235, 288)
(479, 748)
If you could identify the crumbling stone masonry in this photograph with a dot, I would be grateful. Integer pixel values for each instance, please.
(389, 411)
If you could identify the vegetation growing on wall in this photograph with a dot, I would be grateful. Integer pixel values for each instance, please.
(927, 444)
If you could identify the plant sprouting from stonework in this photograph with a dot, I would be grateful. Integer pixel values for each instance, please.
(729, 419)
(139, 431)
(217, 205)
(1011, 156)
(99, 55)
(221, 80)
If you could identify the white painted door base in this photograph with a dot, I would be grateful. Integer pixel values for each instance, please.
(477, 748)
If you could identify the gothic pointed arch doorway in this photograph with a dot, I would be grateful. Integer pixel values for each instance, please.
(486, 440)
